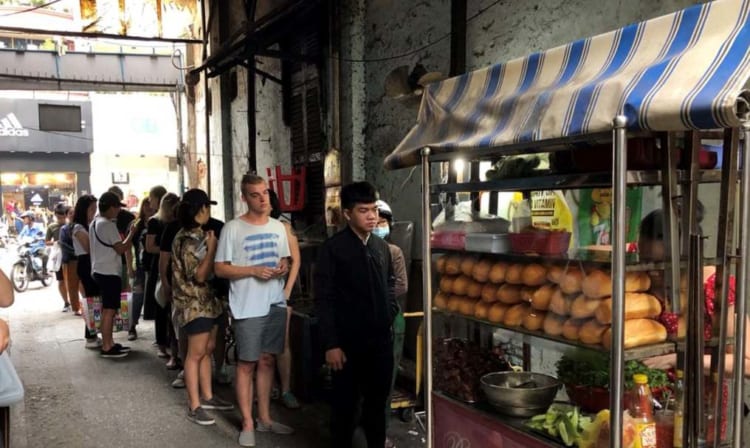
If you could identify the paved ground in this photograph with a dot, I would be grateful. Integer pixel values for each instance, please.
(76, 399)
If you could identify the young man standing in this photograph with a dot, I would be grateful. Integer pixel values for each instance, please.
(52, 238)
(356, 304)
(252, 254)
(106, 265)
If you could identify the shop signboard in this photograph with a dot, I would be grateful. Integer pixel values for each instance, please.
(28, 125)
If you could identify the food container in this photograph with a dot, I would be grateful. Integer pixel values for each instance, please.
(540, 242)
(520, 394)
(448, 239)
(496, 243)
(588, 398)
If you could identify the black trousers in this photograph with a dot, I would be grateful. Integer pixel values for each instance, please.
(367, 376)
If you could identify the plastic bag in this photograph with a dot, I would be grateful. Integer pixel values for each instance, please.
(54, 262)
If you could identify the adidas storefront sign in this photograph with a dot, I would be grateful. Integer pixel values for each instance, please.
(11, 127)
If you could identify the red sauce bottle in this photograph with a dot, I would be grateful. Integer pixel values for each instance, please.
(642, 413)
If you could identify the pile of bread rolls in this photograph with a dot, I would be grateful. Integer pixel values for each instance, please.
(558, 300)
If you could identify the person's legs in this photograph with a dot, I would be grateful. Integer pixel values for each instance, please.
(161, 324)
(264, 382)
(220, 348)
(62, 287)
(197, 344)
(138, 288)
(72, 282)
(376, 382)
(399, 330)
(205, 367)
(110, 287)
(244, 389)
(344, 398)
(285, 359)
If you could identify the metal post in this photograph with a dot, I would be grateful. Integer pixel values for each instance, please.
(741, 303)
(177, 100)
(694, 352)
(619, 174)
(427, 288)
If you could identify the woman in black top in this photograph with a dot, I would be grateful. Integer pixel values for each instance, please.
(70, 261)
(139, 279)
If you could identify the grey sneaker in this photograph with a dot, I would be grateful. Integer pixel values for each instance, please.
(217, 404)
(274, 427)
(179, 382)
(200, 416)
(247, 438)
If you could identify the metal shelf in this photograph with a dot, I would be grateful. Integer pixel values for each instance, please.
(570, 181)
(587, 257)
(647, 351)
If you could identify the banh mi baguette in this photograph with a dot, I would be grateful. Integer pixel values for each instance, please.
(440, 301)
(509, 294)
(584, 307)
(467, 265)
(515, 314)
(461, 285)
(497, 272)
(591, 332)
(560, 304)
(489, 293)
(513, 274)
(467, 306)
(571, 328)
(481, 310)
(474, 290)
(638, 332)
(446, 283)
(540, 299)
(598, 284)
(496, 313)
(440, 264)
(534, 320)
(555, 273)
(571, 281)
(534, 275)
(481, 271)
(638, 305)
(454, 303)
(453, 265)
(553, 324)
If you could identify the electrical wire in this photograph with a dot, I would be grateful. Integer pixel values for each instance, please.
(423, 47)
(14, 13)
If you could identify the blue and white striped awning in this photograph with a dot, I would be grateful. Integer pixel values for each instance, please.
(686, 70)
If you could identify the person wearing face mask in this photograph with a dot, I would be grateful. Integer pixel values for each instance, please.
(383, 230)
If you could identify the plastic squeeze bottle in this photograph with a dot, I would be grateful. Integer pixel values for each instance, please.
(640, 409)
(679, 409)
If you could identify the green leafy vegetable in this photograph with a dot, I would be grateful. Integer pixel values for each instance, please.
(589, 368)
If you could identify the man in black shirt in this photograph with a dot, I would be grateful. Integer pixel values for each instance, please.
(356, 304)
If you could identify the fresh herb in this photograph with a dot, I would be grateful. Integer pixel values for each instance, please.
(591, 369)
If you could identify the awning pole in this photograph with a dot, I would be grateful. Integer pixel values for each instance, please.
(741, 302)
(427, 288)
(619, 174)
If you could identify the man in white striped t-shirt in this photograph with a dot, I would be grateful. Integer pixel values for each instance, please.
(252, 253)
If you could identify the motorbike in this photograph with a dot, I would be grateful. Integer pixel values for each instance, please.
(28, 268)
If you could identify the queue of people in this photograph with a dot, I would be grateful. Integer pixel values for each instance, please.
(193, 275)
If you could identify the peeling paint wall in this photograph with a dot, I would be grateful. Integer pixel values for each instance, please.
(273, 137)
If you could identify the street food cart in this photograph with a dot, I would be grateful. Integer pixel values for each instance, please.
(639, 100)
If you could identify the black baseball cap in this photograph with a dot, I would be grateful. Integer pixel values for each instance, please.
(108, 200)
(197, 197)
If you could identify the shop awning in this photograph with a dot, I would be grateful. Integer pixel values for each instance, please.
(686, 70)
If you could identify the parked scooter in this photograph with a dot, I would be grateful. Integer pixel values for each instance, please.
(29, 267)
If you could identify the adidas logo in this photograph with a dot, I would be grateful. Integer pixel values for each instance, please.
(11, 127)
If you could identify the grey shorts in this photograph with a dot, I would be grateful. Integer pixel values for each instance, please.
(256, 335)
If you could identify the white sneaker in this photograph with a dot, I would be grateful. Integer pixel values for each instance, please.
(93, 343)
(179, 382)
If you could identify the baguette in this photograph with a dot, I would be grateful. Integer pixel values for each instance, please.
(446, 283)
(591, 332)
(481, 271)
(571, 329)
(514, 315)
(489, 293)
(453, 265)
(509, 294)
(638, 332)
(598, 284)
(560, 304)
(466, 307)
(474, 290)
(553, 324)
(526, 293)
(481, 310)
(540, 299)
(454, 303)
(534, 275)
(497, 272)
(534, 320)
(571, 281)
(555, 274)
(461, 285)
(513, 274)
(638, 305)
(440, 301)
(467, 265)
(496, 313)
(440, 264)
(584, 307)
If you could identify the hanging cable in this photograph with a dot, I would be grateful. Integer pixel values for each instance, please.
(14, 13)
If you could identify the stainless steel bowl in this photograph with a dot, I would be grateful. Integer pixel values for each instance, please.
(520, 394)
